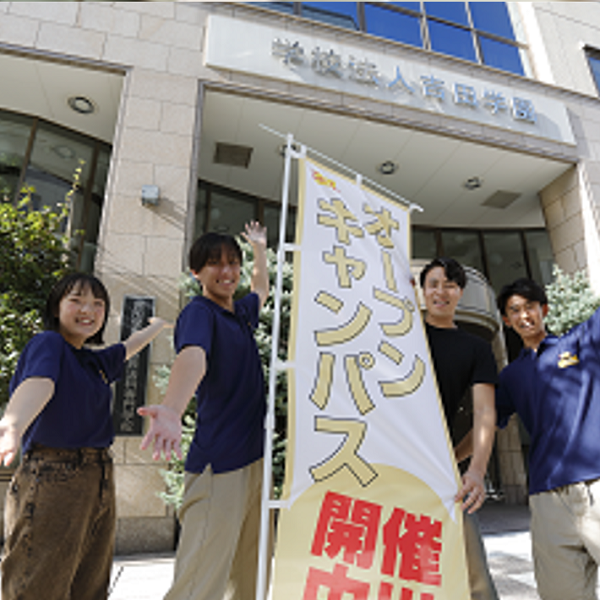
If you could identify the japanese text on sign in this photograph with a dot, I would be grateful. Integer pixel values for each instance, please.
(346, 267)
(348, 531)
(364, 72)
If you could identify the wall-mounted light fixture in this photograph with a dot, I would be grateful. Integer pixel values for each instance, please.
(150, 195)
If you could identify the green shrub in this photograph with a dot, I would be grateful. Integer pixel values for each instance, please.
(571, 301)
(33, 255)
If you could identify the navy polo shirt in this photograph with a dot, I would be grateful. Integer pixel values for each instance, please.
(556, 392)
(231, 396)
(78, 414)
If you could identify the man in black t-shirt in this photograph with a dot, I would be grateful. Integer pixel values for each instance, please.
(463, 361)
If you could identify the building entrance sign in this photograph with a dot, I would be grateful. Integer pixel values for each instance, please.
(397, 77)
(364, 72)
(130, 390)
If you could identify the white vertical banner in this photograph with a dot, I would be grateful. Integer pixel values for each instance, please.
(370, 477)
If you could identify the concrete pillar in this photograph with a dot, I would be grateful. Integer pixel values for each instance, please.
(141, 252)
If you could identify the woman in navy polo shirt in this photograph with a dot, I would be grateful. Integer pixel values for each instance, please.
(217, 359)
(60, 506)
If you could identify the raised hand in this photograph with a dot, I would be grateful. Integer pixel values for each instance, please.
(255, 234)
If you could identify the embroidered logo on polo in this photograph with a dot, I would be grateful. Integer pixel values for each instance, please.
(566, 359)
(103, 375)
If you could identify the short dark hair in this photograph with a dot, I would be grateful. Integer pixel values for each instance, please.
(63, 287)
(209, 246)
(452, 268)
(527, 288)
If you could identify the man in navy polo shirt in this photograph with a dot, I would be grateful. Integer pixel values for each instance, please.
(554, 386)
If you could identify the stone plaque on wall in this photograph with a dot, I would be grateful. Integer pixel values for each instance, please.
(130, 390)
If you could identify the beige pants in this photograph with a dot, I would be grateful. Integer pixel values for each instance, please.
(481, 583)
(217, 554)
(565, 532)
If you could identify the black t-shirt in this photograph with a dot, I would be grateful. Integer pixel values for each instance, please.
(460, 360)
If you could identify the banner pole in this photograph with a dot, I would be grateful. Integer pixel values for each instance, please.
(263, 558)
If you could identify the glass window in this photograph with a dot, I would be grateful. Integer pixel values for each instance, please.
(423, 244)
(393, 25)
(14, 137)
(492, 17)
(449, 11)
(342, 14)
(464, 247)
(541, 259)
(286, 7)
(452, 40)
(200, 217)
(228, 213)
(416, 6)
(93, 212)
(271, 217)
(594, 62)
(56, 157)
(500, 55)
(505, 258)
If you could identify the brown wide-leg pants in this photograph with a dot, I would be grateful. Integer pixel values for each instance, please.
(59, 526)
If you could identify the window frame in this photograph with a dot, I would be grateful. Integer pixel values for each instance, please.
(424, 19)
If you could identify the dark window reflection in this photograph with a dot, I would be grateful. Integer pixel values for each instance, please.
(500, 55)
(492, 17)
(227, 211)
(271, 218)
(228, 214)
(541, 259)
(342, 14)
(14, 136)
(450, 11)
(505, 257)
(393, 25)
(423, 244)
(464, 247)
(451, 40)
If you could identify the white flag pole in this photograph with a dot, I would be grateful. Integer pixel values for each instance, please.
(263, 557)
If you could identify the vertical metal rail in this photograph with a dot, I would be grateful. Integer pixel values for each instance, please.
(263, 558)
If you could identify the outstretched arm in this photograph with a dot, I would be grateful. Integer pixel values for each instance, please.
(256, 236)
(140, 339)
(472, 492)
(164, 433)
(25, 404)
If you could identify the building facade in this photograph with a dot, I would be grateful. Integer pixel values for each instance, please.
(484, 114)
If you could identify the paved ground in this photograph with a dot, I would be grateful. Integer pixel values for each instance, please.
(505, 532)
(506, 537)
